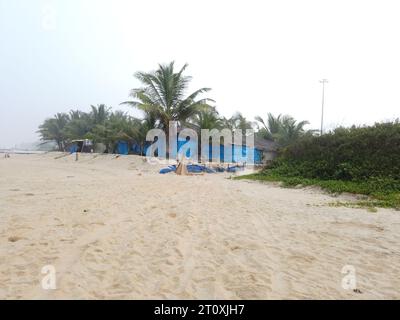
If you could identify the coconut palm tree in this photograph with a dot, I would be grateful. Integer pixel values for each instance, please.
(53, 130)
(142, 127)
(291, 130)
(271, 128)
(163, 96)
(109, 127)
(99, 114)
(206, 118)
(228, 123)
(237, 121)
(79, 125)
(242, 123)
(283, 129)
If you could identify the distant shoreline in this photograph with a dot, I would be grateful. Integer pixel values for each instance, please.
(16, 151)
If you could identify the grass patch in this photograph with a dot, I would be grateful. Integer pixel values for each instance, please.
(368, 205)
(382, 193)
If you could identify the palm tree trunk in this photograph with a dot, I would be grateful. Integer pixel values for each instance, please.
(167, 142)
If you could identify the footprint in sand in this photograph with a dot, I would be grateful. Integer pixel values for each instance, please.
(14, 238)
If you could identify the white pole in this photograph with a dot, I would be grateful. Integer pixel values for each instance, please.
(323, 81)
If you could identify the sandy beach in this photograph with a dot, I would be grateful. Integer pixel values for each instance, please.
(114, 228)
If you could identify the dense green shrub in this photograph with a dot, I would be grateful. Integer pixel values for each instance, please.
(349, 154)
(360, 160)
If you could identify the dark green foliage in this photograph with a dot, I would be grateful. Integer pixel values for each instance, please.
(356, 153)
(163, 95)
(101, 125)
(360, 160)
(53, 129)
(283, 129)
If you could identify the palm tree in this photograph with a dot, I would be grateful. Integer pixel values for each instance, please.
(79, 125)
(53, 130)
(206, 118)
(242, 123)
(283, 129)
(272, 127)
(229, 123)
(99, 114)
(98, 126)
(109, 127)
(163, 96)
(291, 130)
(237, 122)
(142, 127)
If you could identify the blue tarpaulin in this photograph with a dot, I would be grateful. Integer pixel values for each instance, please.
(191, 168)
(136, 149)
(73, 148)
(239, 153)
(168, 169)
(122, 147)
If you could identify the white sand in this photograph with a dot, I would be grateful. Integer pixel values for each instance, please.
(116, 229)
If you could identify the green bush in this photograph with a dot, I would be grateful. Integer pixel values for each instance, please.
(360, 160)
(356, 153)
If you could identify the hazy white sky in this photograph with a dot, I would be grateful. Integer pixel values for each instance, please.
(257, 56)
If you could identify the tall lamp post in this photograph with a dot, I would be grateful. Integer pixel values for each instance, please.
(323, 81)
